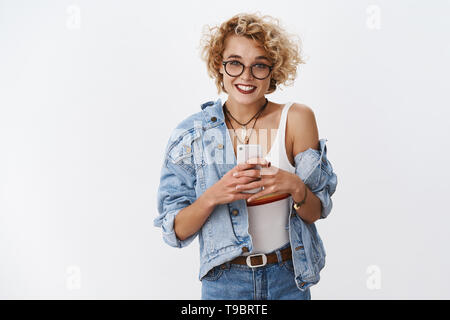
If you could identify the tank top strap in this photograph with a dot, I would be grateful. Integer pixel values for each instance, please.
(283, 121)
(284, 162)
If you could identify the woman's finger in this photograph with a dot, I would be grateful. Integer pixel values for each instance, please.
(269, 171)
(261, 161)
(259, 194)
(242, 195)
(243, 166)
(251, 185)
(256, 173)
(245, 180)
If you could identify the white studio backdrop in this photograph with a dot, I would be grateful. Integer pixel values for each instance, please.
(90, 91)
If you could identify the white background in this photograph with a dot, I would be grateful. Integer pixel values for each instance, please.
(90, 90)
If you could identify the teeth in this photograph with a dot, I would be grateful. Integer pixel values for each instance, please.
(245, 88)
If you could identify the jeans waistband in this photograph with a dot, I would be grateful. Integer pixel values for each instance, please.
(242, 259)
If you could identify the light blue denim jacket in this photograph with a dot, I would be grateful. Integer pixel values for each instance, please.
(199, 153)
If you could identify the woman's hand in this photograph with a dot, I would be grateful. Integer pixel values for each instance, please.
(225, 191)
(272, 179)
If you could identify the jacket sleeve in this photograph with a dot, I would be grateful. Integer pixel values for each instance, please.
(176, 191)
(313, 167)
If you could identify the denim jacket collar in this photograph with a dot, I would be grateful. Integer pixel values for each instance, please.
(213, 113)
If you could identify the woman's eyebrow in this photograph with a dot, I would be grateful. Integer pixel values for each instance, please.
(257, 58)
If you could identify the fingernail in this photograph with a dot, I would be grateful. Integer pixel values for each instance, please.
(249, 199)
(235, 174)
(237, 187)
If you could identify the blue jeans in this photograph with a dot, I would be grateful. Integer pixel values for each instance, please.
(274, 281)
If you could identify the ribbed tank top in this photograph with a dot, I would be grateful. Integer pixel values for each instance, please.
(268, 216)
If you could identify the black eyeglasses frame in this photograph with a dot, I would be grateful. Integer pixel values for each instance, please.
(224, 63)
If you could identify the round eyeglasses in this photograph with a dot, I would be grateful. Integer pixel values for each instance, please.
(235, 68)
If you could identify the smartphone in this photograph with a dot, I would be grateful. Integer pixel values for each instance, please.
(249, 151)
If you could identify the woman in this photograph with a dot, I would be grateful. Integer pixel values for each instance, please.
(261, 245)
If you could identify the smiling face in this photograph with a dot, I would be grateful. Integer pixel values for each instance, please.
(248, 52)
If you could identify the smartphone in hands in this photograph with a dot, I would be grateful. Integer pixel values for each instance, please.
(246, 152)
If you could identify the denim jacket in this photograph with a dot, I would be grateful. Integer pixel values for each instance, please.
(198, 154)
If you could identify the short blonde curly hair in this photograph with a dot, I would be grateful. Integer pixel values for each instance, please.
(283, 50)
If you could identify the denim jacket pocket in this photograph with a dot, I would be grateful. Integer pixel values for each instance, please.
(182, 150)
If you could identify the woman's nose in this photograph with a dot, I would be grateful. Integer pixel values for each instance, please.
(247, 74)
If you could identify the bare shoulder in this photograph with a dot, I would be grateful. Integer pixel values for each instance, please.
(302, 128)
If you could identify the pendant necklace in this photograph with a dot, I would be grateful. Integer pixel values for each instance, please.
(244, 125)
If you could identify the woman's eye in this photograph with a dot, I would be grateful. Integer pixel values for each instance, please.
(261, 66)
(234, 63)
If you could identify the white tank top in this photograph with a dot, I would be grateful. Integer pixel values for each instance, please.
(268, 216)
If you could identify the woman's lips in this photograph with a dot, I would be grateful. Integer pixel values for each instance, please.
(245, 92)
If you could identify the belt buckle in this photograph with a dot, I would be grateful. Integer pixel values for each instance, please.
(249, 261)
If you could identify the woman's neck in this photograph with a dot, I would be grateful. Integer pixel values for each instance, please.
(244, 112)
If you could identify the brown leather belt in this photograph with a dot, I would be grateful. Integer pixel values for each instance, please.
(261, 259)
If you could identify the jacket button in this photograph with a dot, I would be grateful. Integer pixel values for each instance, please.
(235, 212)
(220, 146)
(244, 249)
(213, 119)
